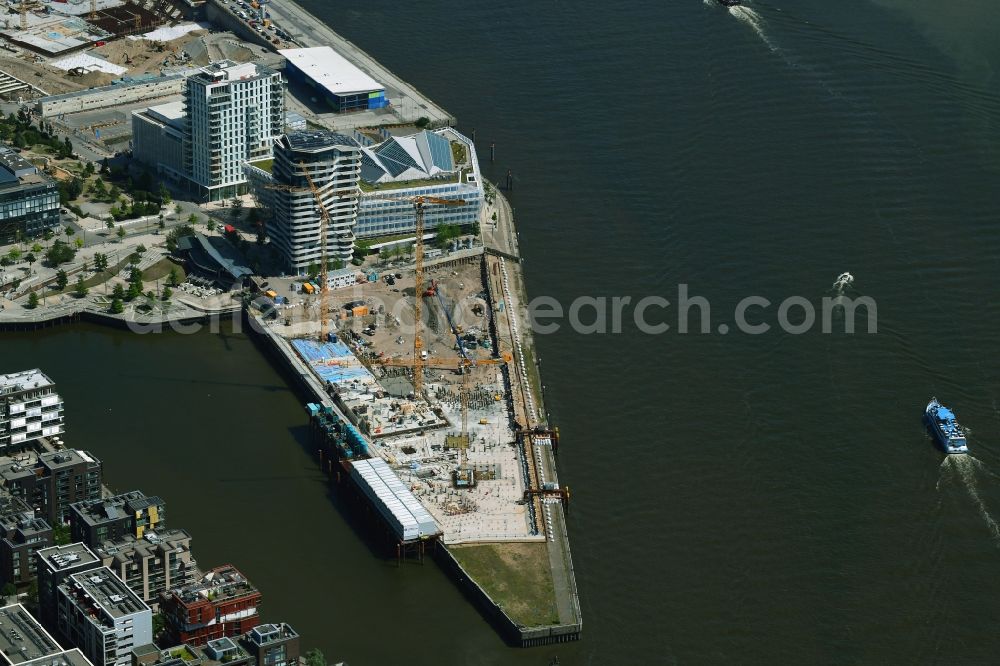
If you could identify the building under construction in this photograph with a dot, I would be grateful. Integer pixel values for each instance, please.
(56, 29)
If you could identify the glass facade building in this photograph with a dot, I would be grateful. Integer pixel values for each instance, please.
(441, 164)
(29, 200)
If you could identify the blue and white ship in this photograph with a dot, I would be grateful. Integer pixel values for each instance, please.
(945, 427)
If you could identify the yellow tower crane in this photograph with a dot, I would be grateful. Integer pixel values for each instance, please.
(463, 366)
(418, 281)
(324, 216)
(24, 6)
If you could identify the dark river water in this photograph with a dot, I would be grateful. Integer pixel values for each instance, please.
(768, 498)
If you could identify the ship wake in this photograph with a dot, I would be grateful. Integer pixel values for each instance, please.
(755, 21)
(968, 470)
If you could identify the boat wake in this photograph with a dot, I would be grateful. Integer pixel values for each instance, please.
(843, 281)
(967, 469)
(755, 21)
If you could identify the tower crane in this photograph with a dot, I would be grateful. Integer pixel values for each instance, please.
(464, 366)
(324, 216)
(418, 281)
(24, 6)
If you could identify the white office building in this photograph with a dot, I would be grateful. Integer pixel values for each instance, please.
(102, 616)
(234, 112)
(333, 164)
(29, 408)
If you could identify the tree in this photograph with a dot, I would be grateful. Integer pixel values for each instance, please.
(134, 291)
(116, 306)
(167, 293)
(159, 624)
(78, 242)
(211, 224)
(100, 262)
(164, 195)
(175, 234)
(422, 122)
(178, 209)
(141, 249)
(60, 534)
(81, 289)
(174, 278)
(161, 224)
(192, 219)
(121, 233)
(61, 279)
(36, 248)
(70, 231)
(8, 590)
(134, 258)
(110, 224)
(32, 300)
(315, 658)
(118, 292)
(31, 258)
(14, 254)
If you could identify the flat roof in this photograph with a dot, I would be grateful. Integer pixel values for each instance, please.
(104, 89)
(103, 589)
(168, 113)
(66, 658)
(330, 70)
(22, 638)
(98, 511)
(68, 556)
(220, 584)
(24, 380)
(64, 457)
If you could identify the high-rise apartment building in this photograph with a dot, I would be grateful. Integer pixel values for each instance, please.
(53, 481)
(98, 520)
(98, 613)
(29, 408)
(333, 163)
(234, 112)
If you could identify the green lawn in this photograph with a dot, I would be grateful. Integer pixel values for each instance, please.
(458, 153)
(266, 165)
(381, 187)
(516, 576)
(161, 269)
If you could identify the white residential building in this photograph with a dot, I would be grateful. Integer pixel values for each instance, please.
(333, 164)
(234, 113)
(29, 408)
(98, 613)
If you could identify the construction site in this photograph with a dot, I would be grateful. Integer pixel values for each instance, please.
(428, 415)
